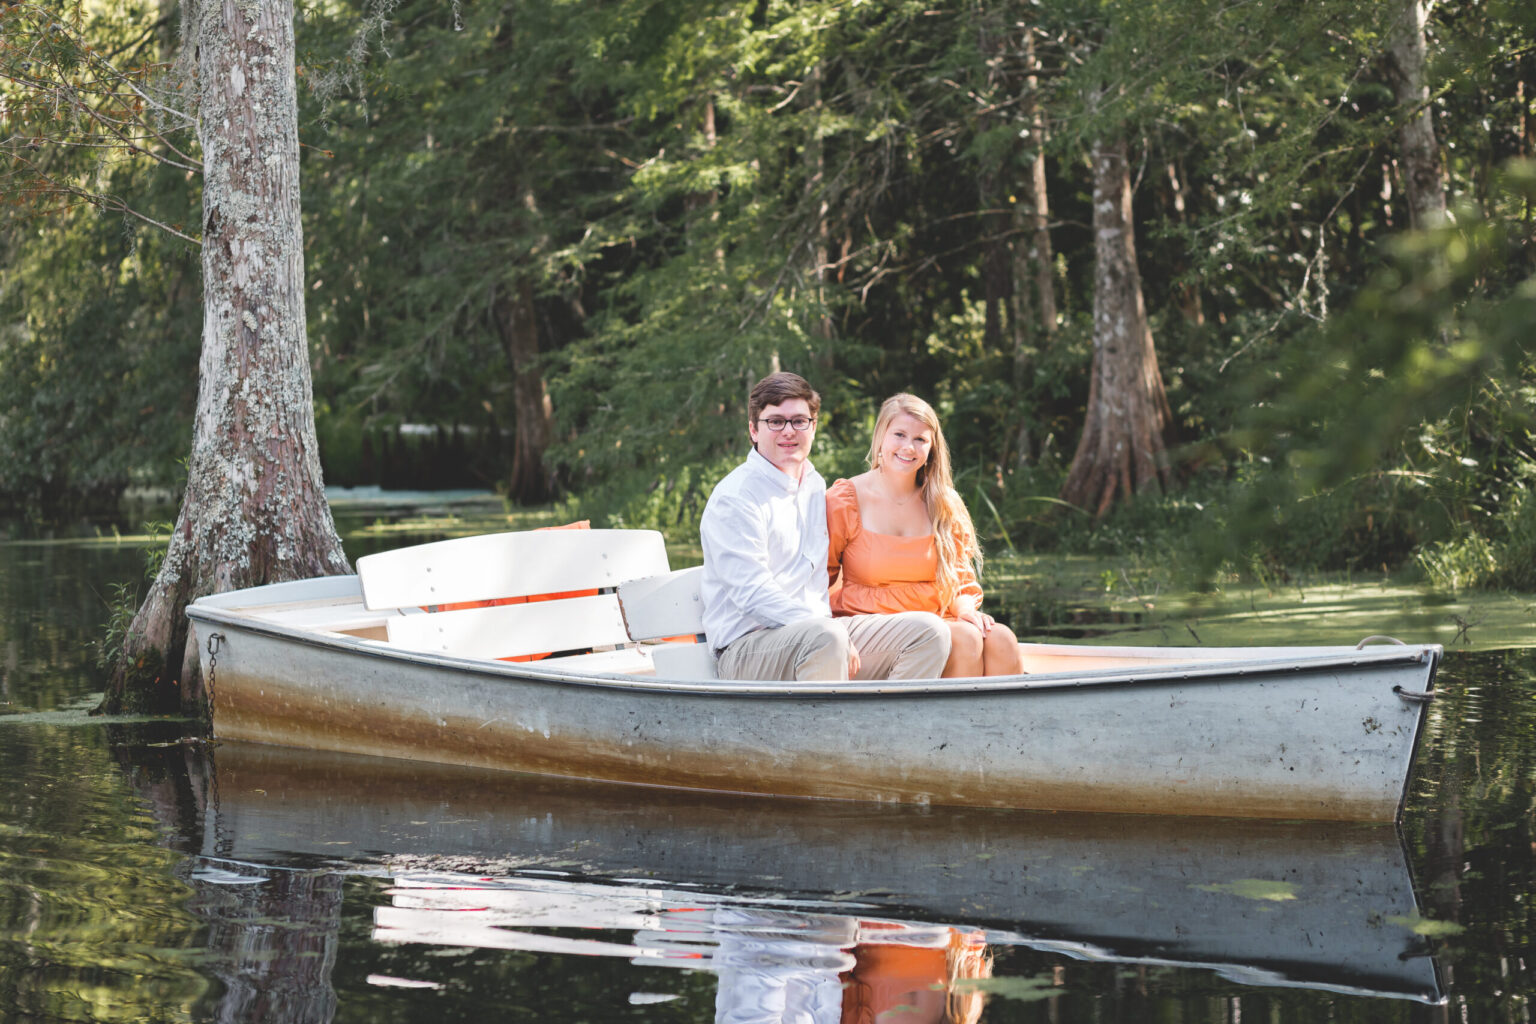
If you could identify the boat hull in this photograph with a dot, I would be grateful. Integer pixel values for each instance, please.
(1313, 738)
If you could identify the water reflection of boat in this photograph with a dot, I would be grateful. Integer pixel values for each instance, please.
(820, 962)
(1315, 905)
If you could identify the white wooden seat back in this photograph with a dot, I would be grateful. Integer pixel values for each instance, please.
(546, 565)
(666, 606)
(502, 565)
(514, 630)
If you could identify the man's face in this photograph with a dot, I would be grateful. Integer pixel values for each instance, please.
(788, 448)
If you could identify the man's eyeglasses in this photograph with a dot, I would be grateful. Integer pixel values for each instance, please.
(778, 423)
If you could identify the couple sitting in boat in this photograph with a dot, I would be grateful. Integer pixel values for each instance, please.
(869, 579)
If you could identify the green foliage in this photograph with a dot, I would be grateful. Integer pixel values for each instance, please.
(1425, 379)
(1504, 556)
(492, 122)
(1452, 565)
(98, 365)
(122, 606)
(679, 197)
(99, 310)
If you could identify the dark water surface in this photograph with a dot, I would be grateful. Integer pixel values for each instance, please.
(147, 879)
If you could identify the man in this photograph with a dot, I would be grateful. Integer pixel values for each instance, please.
(764, 533)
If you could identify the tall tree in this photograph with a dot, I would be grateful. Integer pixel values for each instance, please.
(517, 320)
(1121, 452)
(1033, 307)
(254, 510)
(1419, 153)
(482, 237)
(1033, 257)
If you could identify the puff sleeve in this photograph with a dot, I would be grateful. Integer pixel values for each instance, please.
(842, 525)
(965, 573)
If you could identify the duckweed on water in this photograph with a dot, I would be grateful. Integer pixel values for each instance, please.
(1020, 989)
(1427, 926)
(1253, 889)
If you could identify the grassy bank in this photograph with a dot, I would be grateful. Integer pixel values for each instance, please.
(1141, 598)
(1132, 600)
(1081, 597)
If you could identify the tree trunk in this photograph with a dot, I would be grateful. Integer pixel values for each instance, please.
(517, 321)
(1121, 452)
(696, 203)
(994, 186)
(254, 510)
(1188, 294)
(820, 193)
(1037, 216)
(1423, 177)
(1033, 274)
(1527, 123)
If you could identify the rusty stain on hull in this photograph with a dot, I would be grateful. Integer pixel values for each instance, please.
(691, 742)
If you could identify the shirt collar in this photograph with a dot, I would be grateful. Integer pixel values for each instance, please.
(766, 470)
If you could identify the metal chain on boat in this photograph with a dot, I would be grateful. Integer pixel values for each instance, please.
(215, 641)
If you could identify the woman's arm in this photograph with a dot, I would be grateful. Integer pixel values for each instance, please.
(837, 530)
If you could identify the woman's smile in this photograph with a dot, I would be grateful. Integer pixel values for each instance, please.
(907, 443)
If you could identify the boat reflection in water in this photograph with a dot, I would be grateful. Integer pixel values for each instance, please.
(806, 960)
(790, 899)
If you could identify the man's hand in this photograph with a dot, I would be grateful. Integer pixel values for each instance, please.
(853, 660)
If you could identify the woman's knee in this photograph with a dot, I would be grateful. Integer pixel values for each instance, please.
(965, 639)
(1001, 652)
(965, 651)
(1000, 637)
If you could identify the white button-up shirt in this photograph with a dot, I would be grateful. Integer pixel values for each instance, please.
(765, 550)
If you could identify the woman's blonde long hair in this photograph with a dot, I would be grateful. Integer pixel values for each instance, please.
(953, 532)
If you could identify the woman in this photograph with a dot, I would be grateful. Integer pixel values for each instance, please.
(901, 540)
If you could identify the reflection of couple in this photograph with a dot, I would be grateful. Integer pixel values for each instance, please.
(895, 543)
(896, 981)
(809, 969)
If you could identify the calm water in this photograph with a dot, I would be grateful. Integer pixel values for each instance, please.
(146, 879)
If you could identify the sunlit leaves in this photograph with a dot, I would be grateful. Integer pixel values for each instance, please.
(99, 317)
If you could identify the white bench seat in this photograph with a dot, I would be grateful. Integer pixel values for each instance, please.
(325, 616)
(514, 630)
(660, 608)
(515, 595)
(502, 565)
(635, 661)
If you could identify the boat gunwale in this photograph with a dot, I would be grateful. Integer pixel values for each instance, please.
(1153, 675)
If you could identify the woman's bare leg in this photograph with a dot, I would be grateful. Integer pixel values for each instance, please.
(965, 651)
(1000, 652)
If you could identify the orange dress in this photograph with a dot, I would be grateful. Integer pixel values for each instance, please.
(880, 573)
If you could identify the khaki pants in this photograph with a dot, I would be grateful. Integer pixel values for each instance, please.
(910, 645)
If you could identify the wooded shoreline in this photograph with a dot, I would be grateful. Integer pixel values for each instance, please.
(1257, 275)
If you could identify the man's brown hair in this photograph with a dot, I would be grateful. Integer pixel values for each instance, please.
(778, 388)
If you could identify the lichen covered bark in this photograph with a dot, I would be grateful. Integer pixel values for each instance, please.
(254, 510)
(1406, 65)
(1121, 452)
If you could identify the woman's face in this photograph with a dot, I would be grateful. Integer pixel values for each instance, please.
(906, 444)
